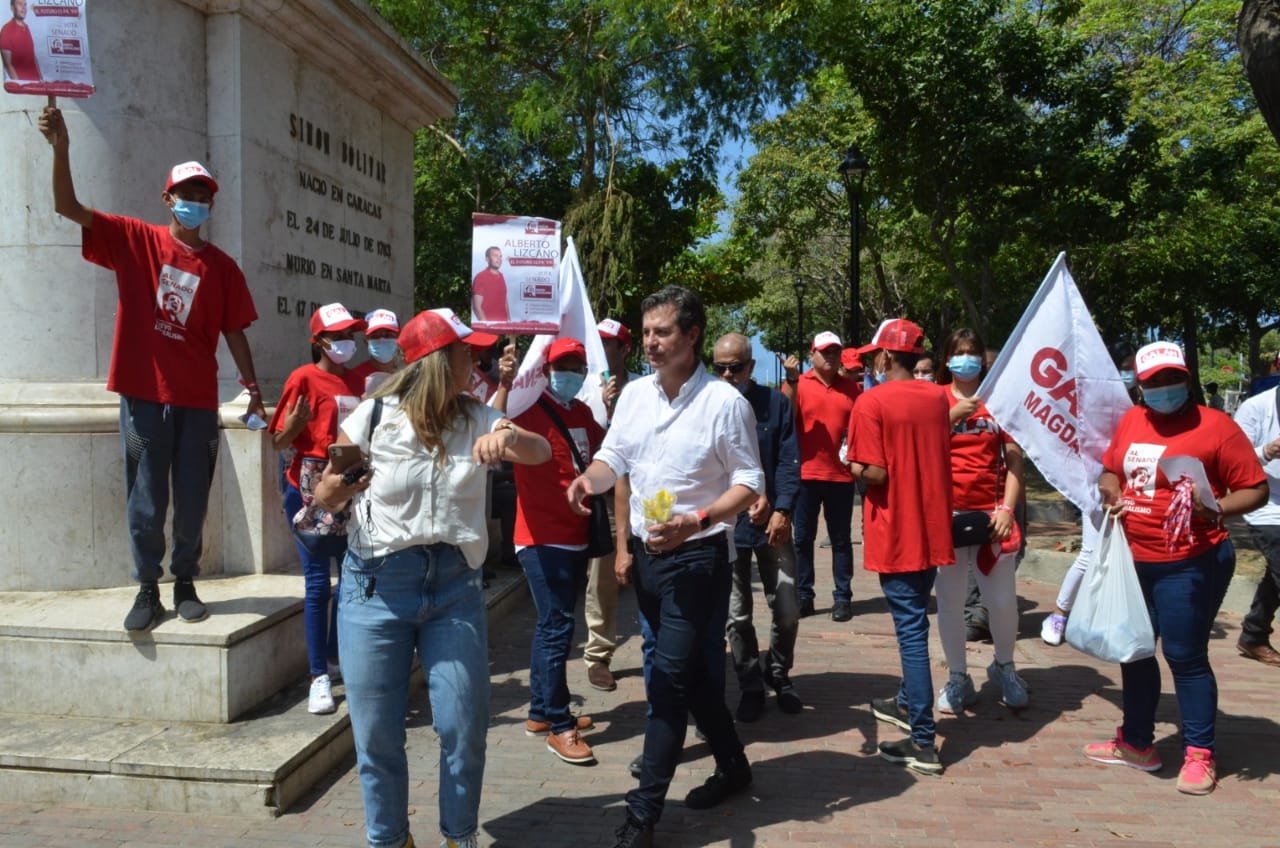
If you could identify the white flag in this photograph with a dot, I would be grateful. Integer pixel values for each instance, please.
(1055, 389)
(577, 321)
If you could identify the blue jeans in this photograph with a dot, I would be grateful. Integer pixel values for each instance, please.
(319, 616)
(908, 597)
(163, 442)
(556, 578)
(1182, 598)
(836, 502)
(684, 597)
(428, 599)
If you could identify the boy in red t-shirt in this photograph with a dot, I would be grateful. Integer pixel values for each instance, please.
(900, 446)
(177, 295)
(551, 539)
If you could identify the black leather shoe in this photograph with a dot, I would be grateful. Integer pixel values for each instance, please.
(806, 608)
(841, 611)
(788, 701)
(720, 786)
(634, 834)
(634, 765)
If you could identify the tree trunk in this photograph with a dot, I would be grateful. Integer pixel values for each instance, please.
(1258, 36)
(1191, 348)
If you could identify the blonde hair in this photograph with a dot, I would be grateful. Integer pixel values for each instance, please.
(429, 399)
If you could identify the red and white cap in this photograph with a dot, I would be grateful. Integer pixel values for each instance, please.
(189, 171)
(428, 331)
(333, 318)
(824, 340)
(611, 329)
(561, 348)
(1158, 356)
(896, 334)
(382, 319)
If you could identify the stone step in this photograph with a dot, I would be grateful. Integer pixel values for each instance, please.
(256, 766)
(67, 653)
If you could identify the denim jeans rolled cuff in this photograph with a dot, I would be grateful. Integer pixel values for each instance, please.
(908, 597)
(835, 500)
(424, 599)
(164, 446)
(684, 597)
(1183, 598)
(319, 604)
(1259, 623)
(555, 577)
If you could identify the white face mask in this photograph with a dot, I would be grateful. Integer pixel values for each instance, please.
(341, 351)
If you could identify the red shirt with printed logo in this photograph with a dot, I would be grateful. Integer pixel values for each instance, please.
(901, 426)
(332, 397)
(174, 302)
(822, 419)
(1142, 438)
(977, 464)
(543, 516)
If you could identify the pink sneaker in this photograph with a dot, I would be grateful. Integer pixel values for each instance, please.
(1117, 752)
(1199, 772)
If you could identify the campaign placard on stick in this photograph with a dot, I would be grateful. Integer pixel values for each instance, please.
(1055, 389)
(45, 48)
(515, 272)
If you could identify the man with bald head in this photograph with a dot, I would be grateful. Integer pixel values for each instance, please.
(764, 530)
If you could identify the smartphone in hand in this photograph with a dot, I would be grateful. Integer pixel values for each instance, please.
(349, 461)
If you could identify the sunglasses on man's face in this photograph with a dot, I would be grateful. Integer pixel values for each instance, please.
(731, 367)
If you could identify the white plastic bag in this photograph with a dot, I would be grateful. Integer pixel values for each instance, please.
(1109, 619)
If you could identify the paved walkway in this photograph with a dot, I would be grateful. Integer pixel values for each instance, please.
(1010, 780)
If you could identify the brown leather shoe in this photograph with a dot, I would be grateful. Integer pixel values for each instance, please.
(569, 747)
(1263, 653)
(600, 677)
(542, 728)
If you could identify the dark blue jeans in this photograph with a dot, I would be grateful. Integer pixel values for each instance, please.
(836, 502)
(163, 443)
(319, 604)
(1183, 598)
(556, 578)
(684, 597)
(1257, 625)
(908, 597)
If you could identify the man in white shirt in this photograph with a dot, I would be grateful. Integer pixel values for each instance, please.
(686, 434)
(1259, 417)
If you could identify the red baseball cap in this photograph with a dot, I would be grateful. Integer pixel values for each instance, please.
(189, 172)
(896, 334)
(433, 329)
(1158, 356)
(611, 329)
(850, 359)
(333, 318)
(562, 348)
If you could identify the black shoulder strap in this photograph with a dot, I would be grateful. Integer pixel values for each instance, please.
(374, 418)
(564, 431)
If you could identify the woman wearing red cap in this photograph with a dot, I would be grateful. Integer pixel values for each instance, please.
(986, 477)
(316, 399)
(1183, 555)
(411, 578)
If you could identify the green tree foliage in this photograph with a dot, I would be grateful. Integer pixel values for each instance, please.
(607, 115)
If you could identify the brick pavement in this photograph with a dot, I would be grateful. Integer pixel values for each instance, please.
(1010, 780)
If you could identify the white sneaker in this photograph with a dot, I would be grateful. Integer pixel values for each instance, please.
(335, 672)
(957, 694)
(321, 698)
(1053, 629)
(1013, 687)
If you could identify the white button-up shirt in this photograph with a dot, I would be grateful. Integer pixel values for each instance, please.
(696, 446)
(1257, 417)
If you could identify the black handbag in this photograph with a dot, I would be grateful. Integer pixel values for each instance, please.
(969, 528)
(599, 532)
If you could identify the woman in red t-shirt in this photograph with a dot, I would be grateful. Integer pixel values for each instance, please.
(986, 475)
(315, 400)
(1183, 555)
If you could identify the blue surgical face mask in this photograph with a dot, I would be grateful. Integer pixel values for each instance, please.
(1167, 399)
(1130, 379)
(880, 377)
(382, 350)
(965, 366)
(189, 213)
(565, 384)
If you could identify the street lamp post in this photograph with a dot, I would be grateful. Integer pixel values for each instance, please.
(853, 170)
(800, 285)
